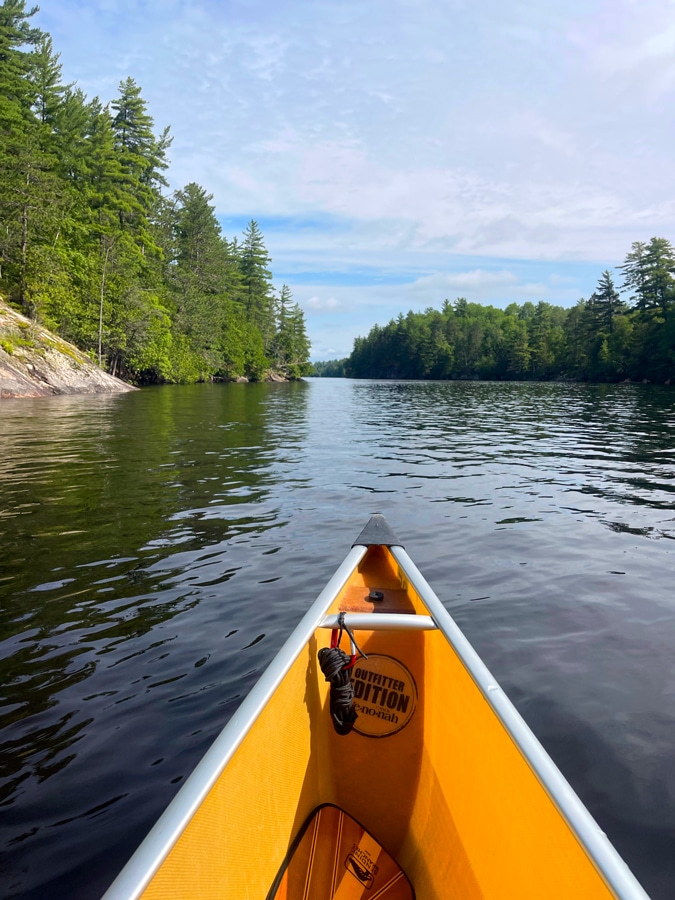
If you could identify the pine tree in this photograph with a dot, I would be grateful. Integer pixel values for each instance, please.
(199, 247)
(71, 124)
(107, 260)
(290, 349)
(605, 304)
(19, 159)
(16, 90)
(634, 271)
(199, 275)
(660, 286)
(48, 91)
(516, 350)
(256, 279)
(299, 363)
(142, 155)
(47, 194)
(282, 348)
(54, 259)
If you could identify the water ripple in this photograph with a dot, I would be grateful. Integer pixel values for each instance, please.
(159, 546)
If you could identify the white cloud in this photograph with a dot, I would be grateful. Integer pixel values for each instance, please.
(320, 303)
(476, 280)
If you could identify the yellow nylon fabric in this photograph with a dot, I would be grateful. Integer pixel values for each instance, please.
(449, 796)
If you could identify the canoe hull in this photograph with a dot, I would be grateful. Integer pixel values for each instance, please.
(440, 769)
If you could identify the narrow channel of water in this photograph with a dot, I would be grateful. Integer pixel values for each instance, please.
(157, 548)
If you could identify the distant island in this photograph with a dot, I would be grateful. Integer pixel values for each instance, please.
(90, 248)
(604, 338)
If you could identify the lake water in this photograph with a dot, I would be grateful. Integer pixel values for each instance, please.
(156, 548)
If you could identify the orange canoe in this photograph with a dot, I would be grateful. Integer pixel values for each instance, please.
(376, 758)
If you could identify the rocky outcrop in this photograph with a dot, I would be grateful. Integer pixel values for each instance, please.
(36, 363)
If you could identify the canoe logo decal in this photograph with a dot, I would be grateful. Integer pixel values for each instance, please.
(385, 695)
(361, 865)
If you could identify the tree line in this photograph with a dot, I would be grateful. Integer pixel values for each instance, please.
(615, 335)
(91, 245)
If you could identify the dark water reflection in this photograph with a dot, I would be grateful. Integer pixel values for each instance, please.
(158, 547)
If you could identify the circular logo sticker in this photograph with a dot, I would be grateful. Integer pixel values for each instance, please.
(385, 696)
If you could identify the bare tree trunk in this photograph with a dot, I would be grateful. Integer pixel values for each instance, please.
(100, 309)
(24, 244)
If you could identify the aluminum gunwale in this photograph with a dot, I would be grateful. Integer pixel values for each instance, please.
(604, 855)
(135, 876)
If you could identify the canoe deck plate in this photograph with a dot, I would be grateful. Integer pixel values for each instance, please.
(335, 858)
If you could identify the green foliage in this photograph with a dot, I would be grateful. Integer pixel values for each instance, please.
(145, 284)
(605, 304)
(648, 273)
(45, 75)
(256, 363)
(256, 281)
(20, 139)
(601, 339)
(332, 368)
(9, 345)
(290, 346)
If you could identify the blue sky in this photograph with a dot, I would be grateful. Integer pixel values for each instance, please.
(399, 152)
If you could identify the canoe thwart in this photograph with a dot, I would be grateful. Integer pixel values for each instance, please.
(381, 622)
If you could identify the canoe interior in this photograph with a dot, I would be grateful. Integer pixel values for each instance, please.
(433, 777)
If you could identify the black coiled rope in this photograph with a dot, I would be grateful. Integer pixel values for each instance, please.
(333, 662)
(336, 666)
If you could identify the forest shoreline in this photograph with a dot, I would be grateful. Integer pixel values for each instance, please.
(35, 362)
(93, 248)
